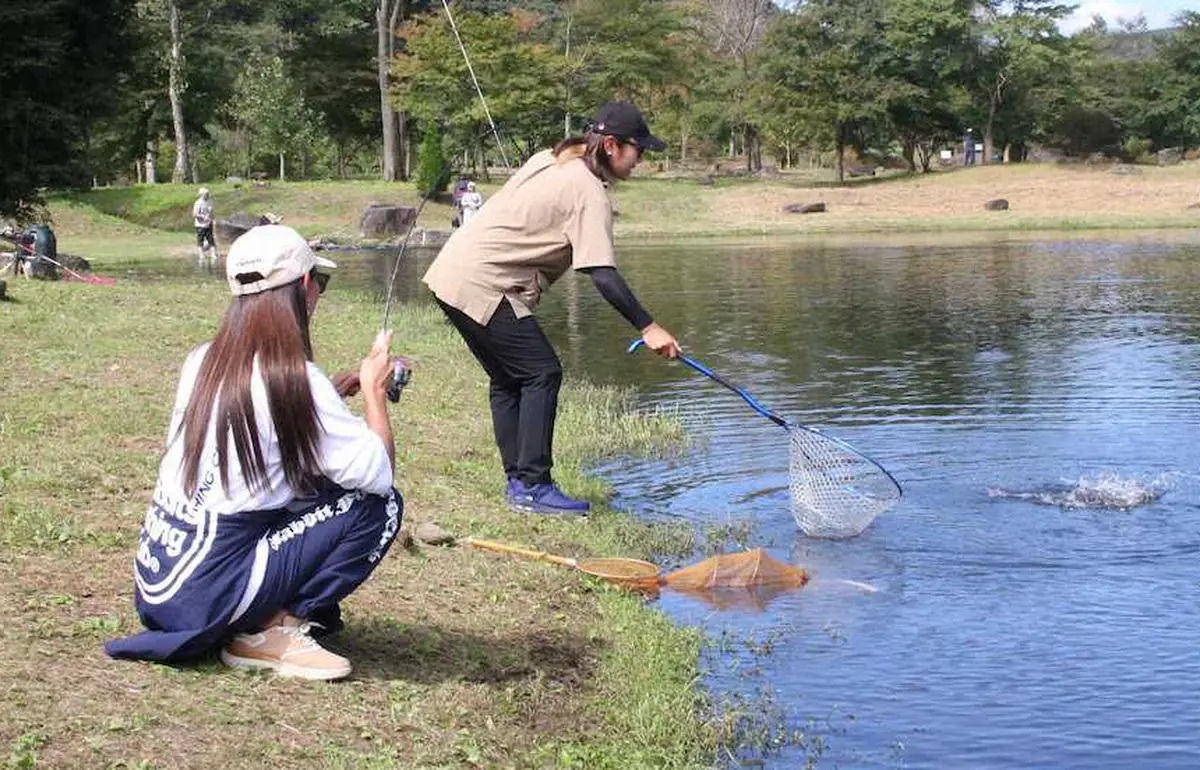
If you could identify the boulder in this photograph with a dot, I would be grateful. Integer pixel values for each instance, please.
(386, 221)
(854, 171)
(1194, 206)
(999, 204)
(1124, 169)
(804, 208)
(431, 534)
(706, 181)
(231, 228)
(75, 262)
(1170, 156)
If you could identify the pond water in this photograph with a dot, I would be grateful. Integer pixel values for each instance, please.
(1031, 601)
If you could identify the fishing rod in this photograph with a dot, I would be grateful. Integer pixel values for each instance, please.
(401, 369)
(98, 280)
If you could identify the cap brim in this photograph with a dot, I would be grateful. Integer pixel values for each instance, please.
(325, 263)
(651, 142)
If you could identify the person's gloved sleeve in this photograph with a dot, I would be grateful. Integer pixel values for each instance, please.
(613, 288)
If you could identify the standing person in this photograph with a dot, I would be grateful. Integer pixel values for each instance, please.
(37, 251)
(273, 501)
(553, 214)
(469, 204)
(202, 217)
(969, 148)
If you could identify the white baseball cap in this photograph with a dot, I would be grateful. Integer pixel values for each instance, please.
(268, 256)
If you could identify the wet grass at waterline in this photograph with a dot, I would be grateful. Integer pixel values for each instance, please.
(463, 659)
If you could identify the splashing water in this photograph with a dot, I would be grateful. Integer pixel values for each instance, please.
(1107, 490)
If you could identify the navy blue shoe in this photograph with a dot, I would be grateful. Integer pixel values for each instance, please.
(545, 498)
(513, 488)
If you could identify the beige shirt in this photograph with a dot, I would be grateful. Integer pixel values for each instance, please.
(550, 216)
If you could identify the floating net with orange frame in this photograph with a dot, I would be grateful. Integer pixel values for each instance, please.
(748, 578)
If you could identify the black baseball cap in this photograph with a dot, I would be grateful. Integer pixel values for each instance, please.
(624, 121)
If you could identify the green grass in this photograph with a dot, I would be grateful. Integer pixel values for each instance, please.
(463, 659)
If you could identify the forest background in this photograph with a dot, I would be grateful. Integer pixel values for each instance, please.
(114, 92)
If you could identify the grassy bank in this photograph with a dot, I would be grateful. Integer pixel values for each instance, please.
(463, 659)
(1041, 197)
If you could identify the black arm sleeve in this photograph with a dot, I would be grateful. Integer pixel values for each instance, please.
(613, 288)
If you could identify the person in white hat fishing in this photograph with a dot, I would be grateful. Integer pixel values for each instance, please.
(274, 502)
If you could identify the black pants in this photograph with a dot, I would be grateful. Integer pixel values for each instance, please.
(525, 377)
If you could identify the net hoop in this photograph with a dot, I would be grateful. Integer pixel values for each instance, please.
(618, 570)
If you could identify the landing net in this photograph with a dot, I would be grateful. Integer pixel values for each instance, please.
(836, 492)
(750, 579)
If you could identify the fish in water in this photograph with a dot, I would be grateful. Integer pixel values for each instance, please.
(1105, 491)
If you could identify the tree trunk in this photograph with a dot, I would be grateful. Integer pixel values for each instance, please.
(388, 13)
(175, 88)
(567, 63)
(402, 145)
(994, 99)
(841, 154)
(987, 134)
(281, 168)
(151, 160)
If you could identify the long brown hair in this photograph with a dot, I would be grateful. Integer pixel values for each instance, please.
(589, 147)
(270, 328)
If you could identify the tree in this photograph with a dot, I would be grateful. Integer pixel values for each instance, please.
(1173, 103)
(332, 60)
(271, 108)
(929, 44)
(634, 50)
(734, 30)
(431, 164)
(58, 71)
(1020, 51)
(830, 59)
(388, 15)
(165, 14)
(518, 77)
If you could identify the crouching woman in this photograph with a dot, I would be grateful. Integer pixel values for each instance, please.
(274, 501)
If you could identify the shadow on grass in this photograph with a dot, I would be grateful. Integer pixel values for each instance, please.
(383, 649)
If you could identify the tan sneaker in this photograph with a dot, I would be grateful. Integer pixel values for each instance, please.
(288, 650)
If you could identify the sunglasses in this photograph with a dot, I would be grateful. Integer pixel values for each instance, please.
(322, 280)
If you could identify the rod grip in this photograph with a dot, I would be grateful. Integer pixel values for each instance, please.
(516, 550)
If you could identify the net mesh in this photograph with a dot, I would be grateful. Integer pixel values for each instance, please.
(738, 570)
(749, 579)
(835, 491)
